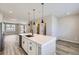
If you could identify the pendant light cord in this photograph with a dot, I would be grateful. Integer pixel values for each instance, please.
(34, 14)
(42, 10)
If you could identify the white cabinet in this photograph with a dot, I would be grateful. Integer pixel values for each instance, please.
(32, 48)
(24, 43)
(39, 45)
(29, 46)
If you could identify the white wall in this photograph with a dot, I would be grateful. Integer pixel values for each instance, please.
(51, 26)
(69, 28)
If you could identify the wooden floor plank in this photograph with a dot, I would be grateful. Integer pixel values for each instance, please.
(11, 46)
(67, 48)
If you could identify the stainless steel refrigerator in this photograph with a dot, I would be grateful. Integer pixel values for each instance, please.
(1, 37)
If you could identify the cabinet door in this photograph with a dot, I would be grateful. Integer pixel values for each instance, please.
(32, 48)
(24, 44)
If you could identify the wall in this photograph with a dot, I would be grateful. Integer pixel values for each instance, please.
(51, 26)
(69, 28)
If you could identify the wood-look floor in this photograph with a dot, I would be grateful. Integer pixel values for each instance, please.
(67, 48)
(11, 47)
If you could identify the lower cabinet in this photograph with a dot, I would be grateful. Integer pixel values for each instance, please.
(29, 46)
(33, 48)
(24, 44)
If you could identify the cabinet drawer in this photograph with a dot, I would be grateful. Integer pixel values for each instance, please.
(32, 48)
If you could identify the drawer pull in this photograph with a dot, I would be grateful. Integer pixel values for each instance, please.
(23, 42)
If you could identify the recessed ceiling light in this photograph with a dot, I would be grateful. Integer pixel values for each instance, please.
(10, 11)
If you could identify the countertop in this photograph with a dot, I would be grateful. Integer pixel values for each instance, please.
(40, 39)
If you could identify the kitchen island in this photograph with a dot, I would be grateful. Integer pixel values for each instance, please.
(38, 44)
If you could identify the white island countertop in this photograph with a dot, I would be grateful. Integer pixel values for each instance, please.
(40, 39)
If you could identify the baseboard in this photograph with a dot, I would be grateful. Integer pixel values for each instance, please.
(69, 41)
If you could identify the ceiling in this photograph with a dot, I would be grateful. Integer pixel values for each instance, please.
(20, 10)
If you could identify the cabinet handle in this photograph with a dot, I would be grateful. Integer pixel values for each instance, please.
(30, 48)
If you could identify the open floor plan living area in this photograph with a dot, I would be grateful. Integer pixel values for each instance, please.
(39, 28)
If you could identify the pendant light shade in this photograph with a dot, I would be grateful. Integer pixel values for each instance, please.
(34, 23)
(42, 20)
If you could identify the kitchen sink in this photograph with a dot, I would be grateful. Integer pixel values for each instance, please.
(29, 35)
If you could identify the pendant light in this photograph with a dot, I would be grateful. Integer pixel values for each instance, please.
(34, 16)
(42, 20)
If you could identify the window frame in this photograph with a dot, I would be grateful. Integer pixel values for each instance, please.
(10, 30)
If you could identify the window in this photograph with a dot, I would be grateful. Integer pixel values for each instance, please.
(10, 27)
